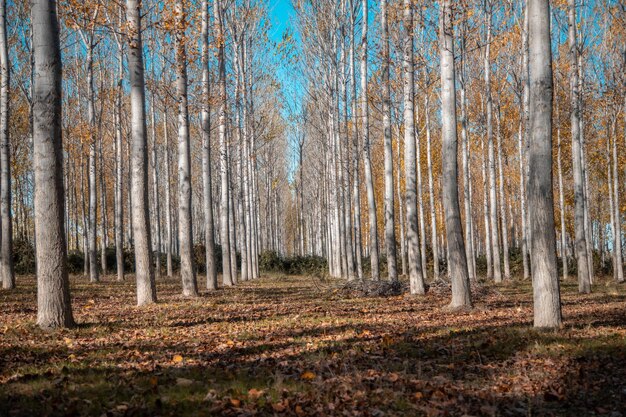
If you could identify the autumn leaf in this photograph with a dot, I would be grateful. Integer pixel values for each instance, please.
(177, 359)
(308, 376)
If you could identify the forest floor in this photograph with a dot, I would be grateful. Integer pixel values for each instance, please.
(299, 346)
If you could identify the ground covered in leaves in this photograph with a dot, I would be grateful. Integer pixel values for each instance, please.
(298, 346)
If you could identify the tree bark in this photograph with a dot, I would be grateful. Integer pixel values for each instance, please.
(53, 289)
(461, 296)
(144, 268)
(367, 160)
(546, 292)
(416, 279)
(224, 206)
(185, 234)
(209, 238)
(390, 231)
(584, 283)
(6, 248)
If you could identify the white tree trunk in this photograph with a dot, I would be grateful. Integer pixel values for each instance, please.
(207, 196)
(390, 230)
(461, 296)
(6, 248)
(584, 284)
(367, 160)
(144, 268)
(224, 206)
(185, 234)
(546, 292)
(416, 279)
(431, 193)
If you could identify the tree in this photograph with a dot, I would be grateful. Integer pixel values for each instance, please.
(185, 235)
(367, 159)
(416, 278)
(211, 271)
(6, 246)
(584, 279)
(53, 289)
(546, 292)
(390, 229)
(144, 267)
(461, 296)
(222, 119)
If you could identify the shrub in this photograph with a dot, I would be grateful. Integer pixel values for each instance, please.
(23, 257)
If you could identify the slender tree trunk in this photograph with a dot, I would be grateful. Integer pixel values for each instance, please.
(524, 167)
(53, 289)
(356, 159)
(431, 193)
(367, 160)
(546, 292)
(6, 248)
(185, 234)
(155, 191)
(584, 283)
(561, 195)
(618, 266)
(493, 203)
(390, 230)
(119, 167)
(168, 196)
(211, 270)
(103, 203)
(503, 218)
(469, 243)
(224, 220)
(93, 197)
(144, 268)
(461, 296)
(416, 279)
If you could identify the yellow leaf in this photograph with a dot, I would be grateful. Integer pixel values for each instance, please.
(308, 376)
(177, 359)
(235, 402)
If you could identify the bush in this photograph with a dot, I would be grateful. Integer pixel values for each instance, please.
(271, 261)
(23, 257)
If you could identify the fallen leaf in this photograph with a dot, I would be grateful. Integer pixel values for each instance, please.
(308, 376)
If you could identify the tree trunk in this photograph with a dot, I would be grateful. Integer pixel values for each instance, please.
(144, 268)
(493, 203)
(546, 292)
(155, 190)
(584, 284)
(185, 235)
(6, 248)
(93, 197)
(119, 169)
(53, 289)
(561, 195)
(367, 160)
(224, 220)
(431, 193)
(390, 230)
(461, 296)
(209, 239)
(416, 279)
(618, 266)
(168, 196)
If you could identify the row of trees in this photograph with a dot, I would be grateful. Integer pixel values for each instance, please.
(112, 95)
(379, 137)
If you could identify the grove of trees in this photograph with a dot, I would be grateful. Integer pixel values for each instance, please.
(452, 141)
